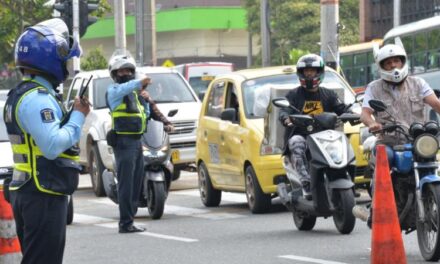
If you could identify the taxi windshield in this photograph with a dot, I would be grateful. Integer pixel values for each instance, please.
(250, 87)
(3, 132)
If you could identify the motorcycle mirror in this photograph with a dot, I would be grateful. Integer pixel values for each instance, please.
(283, 103)
(172, 112)
(360, 97)
(377, 105)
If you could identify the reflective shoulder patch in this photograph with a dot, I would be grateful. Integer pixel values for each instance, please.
(47, 115)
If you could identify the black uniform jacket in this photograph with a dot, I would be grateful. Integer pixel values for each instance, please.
(324, 100)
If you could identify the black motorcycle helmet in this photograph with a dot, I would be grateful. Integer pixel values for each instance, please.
(310, 61)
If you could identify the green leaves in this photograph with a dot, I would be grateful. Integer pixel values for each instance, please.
(295, 25)
(95, 60)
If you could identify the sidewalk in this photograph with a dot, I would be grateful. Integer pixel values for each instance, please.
(188, 180)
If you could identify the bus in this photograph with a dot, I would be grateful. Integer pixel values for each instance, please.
(421, 40)
(357, 64)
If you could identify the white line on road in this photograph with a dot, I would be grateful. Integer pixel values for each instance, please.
(114, 225)
(90, 219)
(312, 260)
(226, 196)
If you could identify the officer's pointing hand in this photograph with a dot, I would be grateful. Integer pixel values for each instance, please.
(145, 81)
(82, 105)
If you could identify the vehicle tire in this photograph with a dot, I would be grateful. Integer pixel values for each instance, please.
(176, 174)
(70, 210)
(96, 168)
(210, 197)
(156, 199)
(343, 217)
(302, 222)
(258, 201)
(428, 234)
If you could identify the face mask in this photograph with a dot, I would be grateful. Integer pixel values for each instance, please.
(124, 78)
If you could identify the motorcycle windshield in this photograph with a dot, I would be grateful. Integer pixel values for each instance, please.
(154, 136)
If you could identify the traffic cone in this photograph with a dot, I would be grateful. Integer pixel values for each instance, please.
(386, 242)
(10, 251)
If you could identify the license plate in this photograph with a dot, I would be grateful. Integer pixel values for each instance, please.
(175, 155)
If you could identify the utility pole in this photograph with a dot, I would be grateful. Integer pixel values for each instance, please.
(146, 32)
(120, 40)
(265, 33)
(396, 13)
(329, 32)
(75, 11)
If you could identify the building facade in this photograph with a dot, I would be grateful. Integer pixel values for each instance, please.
(376, 16)
(186, 31)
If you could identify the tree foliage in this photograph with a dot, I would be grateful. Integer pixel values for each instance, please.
(295, 24)
(95, 60)
(15, 15)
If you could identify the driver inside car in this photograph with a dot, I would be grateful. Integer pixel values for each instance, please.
(311, 99)
(405, 97)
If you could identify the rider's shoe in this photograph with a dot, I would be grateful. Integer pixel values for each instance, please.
(306, 190)
(361, 212)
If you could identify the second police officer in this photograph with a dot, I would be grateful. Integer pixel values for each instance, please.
(129, 123)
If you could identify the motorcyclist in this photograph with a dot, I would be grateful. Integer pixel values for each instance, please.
(310, 99)
(405, 97)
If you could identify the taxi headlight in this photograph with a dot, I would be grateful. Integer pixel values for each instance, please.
(426, 146)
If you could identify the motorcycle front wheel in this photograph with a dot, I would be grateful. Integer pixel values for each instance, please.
(428, 231)
(343, 217)
(156, 199)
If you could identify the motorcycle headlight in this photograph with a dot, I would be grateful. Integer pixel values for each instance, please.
(335, 151)
(426, 146)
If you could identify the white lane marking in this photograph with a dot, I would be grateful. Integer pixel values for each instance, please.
(226, 196)
(114, 225)
(312, 260)
(186, 211)
(90, 219)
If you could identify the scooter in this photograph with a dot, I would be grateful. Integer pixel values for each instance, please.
(415, 179)
(158, 170)
(331, 166)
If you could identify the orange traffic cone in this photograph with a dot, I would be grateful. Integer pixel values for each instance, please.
(386, 242)
(10, 251)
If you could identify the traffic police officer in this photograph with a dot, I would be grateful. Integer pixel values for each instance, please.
(129, 123)
(45, 169)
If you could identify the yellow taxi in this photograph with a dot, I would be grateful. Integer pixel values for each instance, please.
(232, 153)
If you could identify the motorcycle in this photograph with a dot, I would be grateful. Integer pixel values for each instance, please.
(158, 170)
(415, 180)
(331, 166)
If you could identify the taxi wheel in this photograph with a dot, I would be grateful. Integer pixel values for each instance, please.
(210, 196)
(258, 201)
(96, 169)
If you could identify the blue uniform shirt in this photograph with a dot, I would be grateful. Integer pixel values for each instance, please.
(117, 91)
(40, 115)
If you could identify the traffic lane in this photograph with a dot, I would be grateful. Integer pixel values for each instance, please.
(228, 233)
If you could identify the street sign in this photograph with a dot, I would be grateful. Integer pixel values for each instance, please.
(168, 63)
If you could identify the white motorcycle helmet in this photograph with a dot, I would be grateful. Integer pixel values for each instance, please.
(121, 60)
(388, 51)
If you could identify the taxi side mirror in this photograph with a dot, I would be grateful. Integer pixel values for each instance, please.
(229, 114)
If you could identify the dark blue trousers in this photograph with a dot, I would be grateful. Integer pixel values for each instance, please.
(130, 171)
(41, 224)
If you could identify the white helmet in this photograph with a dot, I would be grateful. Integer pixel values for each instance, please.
(121, 60)
(388, 51)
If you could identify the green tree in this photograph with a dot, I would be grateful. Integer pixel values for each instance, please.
(295, 24)
(95, 60)
(15, 15)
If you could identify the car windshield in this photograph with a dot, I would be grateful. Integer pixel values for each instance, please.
(165, 88)
(331, 81)
(3, 133)
(200, 84)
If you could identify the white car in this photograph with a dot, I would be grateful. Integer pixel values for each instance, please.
(175, 93)
(6, 162)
